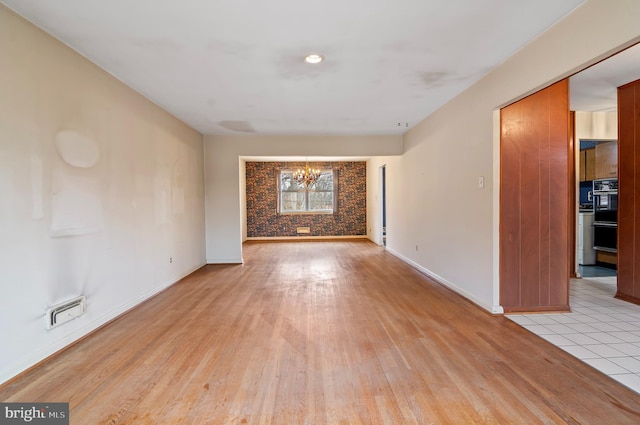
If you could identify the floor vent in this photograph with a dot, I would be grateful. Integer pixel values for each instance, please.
(303, 230)
(62, 313)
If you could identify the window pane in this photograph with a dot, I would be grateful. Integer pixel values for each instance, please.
(287, 183)
(297, 197)
(325, 181)
(292, 201)
(320, 201)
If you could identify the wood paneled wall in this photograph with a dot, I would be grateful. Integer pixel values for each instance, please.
(534, 202)
(629, 192)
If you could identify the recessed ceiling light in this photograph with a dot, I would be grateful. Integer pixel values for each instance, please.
(313, 58)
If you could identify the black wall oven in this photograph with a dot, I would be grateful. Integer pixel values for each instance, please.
(605, 237)
(605, 220)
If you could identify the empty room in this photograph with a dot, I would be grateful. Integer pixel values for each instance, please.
(362, 212)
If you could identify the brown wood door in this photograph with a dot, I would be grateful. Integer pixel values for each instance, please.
(629, 192)
(536, 168)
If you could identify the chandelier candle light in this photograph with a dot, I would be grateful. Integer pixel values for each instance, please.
(307, 175)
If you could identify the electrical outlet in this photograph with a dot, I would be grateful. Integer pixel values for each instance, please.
(417, 248)
(170, 259)
(481, 182)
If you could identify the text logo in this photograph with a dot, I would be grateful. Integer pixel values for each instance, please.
(34, 413)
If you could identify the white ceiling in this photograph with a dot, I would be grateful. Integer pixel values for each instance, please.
(596, 88)
(236, 67)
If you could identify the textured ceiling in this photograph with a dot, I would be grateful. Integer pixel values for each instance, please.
(236, 67)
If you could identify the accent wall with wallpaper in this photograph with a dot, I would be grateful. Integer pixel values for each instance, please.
(350, 212)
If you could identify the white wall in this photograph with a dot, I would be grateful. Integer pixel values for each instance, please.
(596, 125)
(374, 197)
(98, 215)
(242, 171)
(224, 210)
(374, 201)
(443, 210)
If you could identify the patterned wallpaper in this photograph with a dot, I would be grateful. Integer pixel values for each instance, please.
(349, 217)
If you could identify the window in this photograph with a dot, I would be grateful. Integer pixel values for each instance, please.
(296, 197)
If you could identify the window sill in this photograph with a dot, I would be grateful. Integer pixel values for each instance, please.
(306, 213)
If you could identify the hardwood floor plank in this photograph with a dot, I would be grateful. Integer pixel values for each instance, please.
(319, 333)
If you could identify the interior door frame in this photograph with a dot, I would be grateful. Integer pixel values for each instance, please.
(383, 204)
(497, 281)
(574, 147)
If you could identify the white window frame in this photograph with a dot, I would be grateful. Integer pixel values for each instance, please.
(307, 190)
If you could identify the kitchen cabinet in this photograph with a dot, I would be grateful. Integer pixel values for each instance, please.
(606, 160)
(607, 258)
(587, 164)
(590, 164)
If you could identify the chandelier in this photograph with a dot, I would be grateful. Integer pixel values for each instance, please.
(307, 175)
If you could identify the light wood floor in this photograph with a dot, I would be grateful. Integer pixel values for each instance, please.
(320, 333)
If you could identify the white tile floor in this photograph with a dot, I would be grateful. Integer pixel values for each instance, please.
(600, 330)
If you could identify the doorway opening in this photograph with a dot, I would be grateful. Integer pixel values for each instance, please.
(601, 99)
(594, 104)
(383, 205)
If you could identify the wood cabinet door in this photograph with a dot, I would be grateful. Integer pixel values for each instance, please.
(582, 165)
(590, 164)
(606, 160)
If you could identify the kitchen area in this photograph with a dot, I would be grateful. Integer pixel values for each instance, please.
(603, 327)
(597, 171)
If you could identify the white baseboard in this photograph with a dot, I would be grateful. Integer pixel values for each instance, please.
(225, 261)
(439, 279)
(34, 358)
(306, 238)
